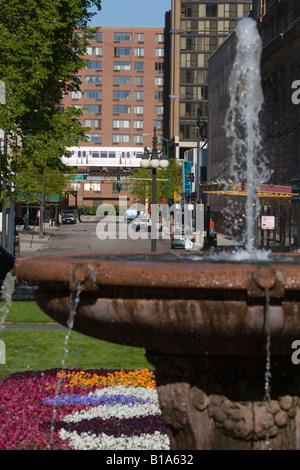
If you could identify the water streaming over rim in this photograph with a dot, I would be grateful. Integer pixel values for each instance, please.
(74, 301)
(8, 288)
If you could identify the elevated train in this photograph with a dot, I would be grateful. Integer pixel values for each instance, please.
(108, 157)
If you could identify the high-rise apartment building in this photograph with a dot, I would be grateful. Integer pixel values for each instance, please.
(198, 27)
(122, 98)
(122, 86)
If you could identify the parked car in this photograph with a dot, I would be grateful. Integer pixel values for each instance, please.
(68, 219)
(178, 238)
(144, 223)
(6, 262)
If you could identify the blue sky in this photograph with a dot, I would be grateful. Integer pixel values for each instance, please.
(139, 13)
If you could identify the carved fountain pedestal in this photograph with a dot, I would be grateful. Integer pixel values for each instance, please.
(204, 327)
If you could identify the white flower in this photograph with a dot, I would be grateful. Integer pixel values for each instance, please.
(86, 441)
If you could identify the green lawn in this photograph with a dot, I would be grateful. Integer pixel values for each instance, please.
(28, 349)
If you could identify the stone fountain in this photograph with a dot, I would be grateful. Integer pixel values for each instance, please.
(219, 334)
(205, 328)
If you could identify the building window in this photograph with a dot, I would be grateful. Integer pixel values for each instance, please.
(96, 187)
(94, 51)
(159, 52)
(211, 10)
(139, 37)
(139, 51)
(159, 38)
(139, 66)
(122, 66)
(76, 95)
(159, 110)
(75, 186)
(121, 138)
(121, 123)
(159, 66)
(230, 10)
(158, 95)
(139, 81)
(94, 65)
(120, 80)
(97, 138)
(138, 124)
(139, 95)
(97, 36)
(138, 139)
(159, 81)
(93, 108)
(121, 94)
(92, 123)
(122, 37)
(93, 94)
(93, 79)
(138, 109)
(118, 51)
(92, 187)
(121, 109)
(159, 125)
(122, 187)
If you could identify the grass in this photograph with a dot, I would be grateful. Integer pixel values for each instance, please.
(28, 349)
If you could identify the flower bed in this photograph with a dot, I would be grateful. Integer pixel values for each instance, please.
(92, 410)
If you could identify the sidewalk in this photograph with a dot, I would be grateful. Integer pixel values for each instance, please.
(224, 240)
(30, 243)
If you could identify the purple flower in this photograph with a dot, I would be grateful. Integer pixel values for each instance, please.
(116, 427)
(109, 400)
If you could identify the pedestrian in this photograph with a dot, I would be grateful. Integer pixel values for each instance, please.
(25, 223)
(188, 244)
(211, 227)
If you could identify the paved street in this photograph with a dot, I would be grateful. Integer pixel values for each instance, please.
(82, 238)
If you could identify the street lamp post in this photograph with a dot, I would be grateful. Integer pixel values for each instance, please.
(154, 159)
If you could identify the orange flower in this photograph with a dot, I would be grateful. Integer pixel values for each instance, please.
(135, 378)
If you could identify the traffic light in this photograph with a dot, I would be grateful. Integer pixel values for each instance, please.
(118, 186)
(190, 177)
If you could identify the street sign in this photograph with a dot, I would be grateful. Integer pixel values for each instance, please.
(268, 222)
(77, 177)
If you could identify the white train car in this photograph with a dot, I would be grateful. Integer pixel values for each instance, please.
(109, 157)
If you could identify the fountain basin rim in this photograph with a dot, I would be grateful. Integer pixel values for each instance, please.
(154, 270)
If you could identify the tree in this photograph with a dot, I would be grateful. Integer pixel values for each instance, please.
(142, 187)
(40, 57)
